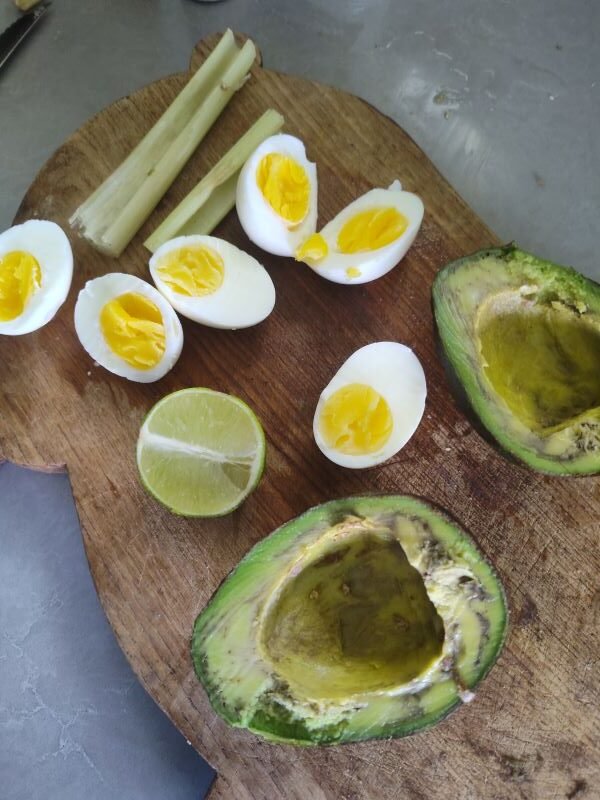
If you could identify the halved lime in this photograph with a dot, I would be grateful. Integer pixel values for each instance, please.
(201, 452)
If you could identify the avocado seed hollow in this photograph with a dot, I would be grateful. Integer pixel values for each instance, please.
(542, 359)
(351, 619)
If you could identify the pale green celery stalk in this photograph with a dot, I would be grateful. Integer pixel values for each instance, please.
(106, 202)
(208, 216)
(141, 204)
(206, 205)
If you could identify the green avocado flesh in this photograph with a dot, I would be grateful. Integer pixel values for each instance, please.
(369, 624)
(364, 618)
(523, 337)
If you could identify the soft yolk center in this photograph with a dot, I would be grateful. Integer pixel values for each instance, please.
(371, 229)
(285, 186)
(20, 278)
(133, 328)
(356, 420)
(313, 249)
(192, 271)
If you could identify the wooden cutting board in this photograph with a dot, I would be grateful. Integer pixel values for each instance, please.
(532, 731)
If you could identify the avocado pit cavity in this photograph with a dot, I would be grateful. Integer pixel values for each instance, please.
(543, 359)
(353, 620)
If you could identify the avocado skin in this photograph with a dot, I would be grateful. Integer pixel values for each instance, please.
(457, 356)
(276, 724)
(297, 734)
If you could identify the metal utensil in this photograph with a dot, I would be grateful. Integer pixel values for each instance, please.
(12, 36)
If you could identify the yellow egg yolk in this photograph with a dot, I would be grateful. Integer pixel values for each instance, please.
(192, 271)
(20, 278)
(356, 420)
(285, 186)
(133, 328)
(371, 229)
(313, 249)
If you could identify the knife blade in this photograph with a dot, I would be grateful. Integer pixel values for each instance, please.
(12, 36)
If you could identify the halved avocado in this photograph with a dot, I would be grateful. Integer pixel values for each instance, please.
(363, 618)
(523, 337)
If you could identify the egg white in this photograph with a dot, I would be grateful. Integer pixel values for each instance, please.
(260, 221)
(49, 245)
(246, 296)
(90, 302)
(395, 372)
(372, 264)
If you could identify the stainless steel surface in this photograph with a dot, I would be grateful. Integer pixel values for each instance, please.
(503, 95)
(17, 31)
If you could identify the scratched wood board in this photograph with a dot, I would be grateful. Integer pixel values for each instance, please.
(532, 731)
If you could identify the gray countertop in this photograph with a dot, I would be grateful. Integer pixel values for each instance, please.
(74, 721)
(503, 96)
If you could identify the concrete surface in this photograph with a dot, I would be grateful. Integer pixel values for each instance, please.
(74, 721)
(503, 95)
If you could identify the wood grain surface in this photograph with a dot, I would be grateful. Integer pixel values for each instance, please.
(533, 729)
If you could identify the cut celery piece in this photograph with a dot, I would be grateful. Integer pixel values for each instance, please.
(206, 205)
(113, 214)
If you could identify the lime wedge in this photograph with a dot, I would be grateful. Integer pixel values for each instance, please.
(201, 452)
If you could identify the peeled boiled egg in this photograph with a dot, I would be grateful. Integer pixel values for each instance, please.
(367, 239)
(36, 267)
(372, 405)
(128, 327)
(276, 198)
(213, 282)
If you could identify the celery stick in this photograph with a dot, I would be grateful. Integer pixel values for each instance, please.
(208, 216)
(206, 205)
(143, 201)
(106, 203)
(108, 200)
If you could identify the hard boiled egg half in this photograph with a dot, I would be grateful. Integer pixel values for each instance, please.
(372, 405)
(213, 282)
(367, 239)
(128, 327)
(276, 197)
(36, 267)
